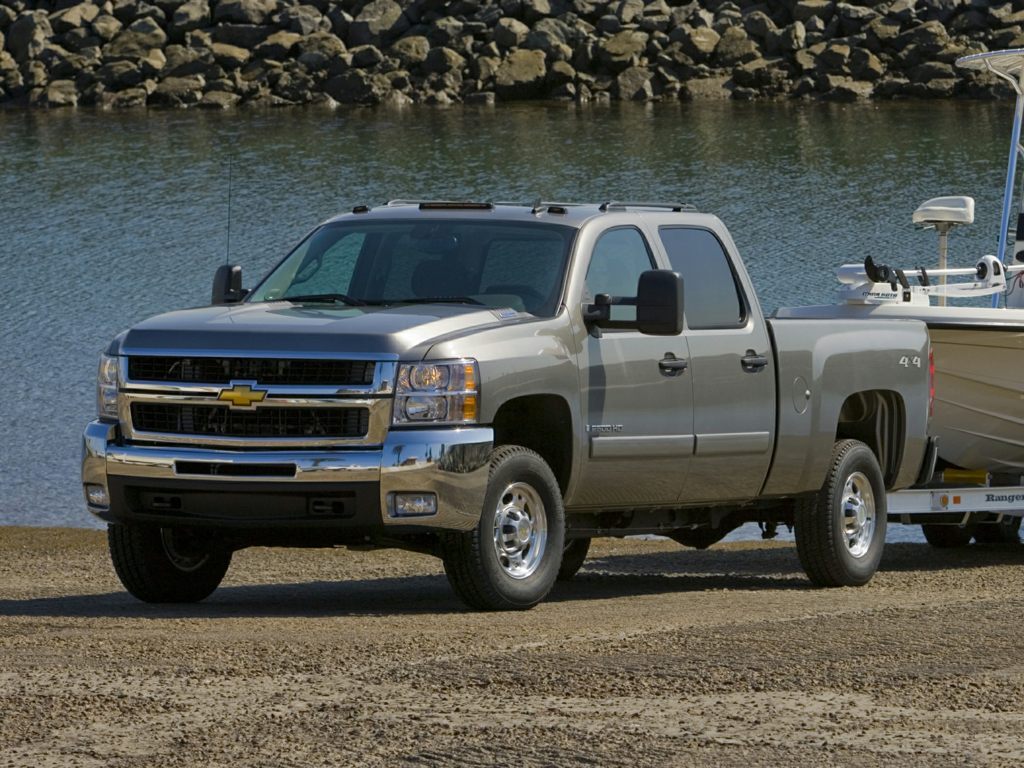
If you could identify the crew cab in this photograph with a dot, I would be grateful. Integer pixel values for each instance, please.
(497, 385)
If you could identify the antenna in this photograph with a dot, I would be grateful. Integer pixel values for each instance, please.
(227, 247)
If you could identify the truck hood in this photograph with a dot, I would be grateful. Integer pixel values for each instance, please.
(283, 328)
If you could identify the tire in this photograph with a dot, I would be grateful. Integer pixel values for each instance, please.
(840, 532)
(511, 559)
(166, 565)
(1006, 531)
(947, 536)
(573, 555)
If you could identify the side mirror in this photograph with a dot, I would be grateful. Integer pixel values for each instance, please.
(227, 285)
(659, 303)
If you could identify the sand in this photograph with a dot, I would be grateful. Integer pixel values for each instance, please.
(654, 655)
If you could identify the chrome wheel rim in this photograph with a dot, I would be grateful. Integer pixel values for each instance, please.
(182, 550)
(859, 517)
(520, 530)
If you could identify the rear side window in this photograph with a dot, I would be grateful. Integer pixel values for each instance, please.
(711, 296)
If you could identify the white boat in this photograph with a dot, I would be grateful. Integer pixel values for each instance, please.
(978, 351)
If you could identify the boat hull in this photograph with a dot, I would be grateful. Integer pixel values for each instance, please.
(979, 398)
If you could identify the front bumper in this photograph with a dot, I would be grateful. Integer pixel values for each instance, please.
(339, 488)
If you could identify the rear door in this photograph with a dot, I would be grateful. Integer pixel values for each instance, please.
(636, 395)
(731, 369)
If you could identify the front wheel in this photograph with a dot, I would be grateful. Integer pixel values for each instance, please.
(512, 557)
(840, 532)
(166, 565)
(573, 555)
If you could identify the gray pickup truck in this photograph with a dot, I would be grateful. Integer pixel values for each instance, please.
(496, 385)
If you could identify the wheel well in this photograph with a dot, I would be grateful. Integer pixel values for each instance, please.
(878, 419)
(543, 424)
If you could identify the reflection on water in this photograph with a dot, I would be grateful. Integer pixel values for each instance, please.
(109, 218)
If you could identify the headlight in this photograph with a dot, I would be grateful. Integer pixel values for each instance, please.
(107, 380)
(437, 393)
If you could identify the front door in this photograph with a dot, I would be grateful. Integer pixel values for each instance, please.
(636, 392)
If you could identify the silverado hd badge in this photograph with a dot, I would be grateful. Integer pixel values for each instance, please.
(242, 395)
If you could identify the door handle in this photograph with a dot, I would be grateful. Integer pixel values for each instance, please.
(671, 365)
(753, 362)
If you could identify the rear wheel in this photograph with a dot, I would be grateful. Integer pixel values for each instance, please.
(573, 555)
(511, 559)
(840, 531)
(166, 565)
(947, 536)
(1006, 531)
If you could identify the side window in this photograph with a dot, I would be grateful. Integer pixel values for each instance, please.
(619, 257)
(331, 271)
(711, 296)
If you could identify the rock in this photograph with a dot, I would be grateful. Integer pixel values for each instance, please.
(833, 59)
(610, 25)
(106, 27)
(322, 44)
(548, 35)
(195, 14)
(759, 24)
(931, 37)
(628, 11)
(700, 43)
(230, 56)
(7, 16)
(244, 11)
(303, 20)
(411, 51)
(278, 45)
(219, 100)
(847, 89)
(900, 10)
(447, 33)
(118, 75)
(561, 72)
(807, 9)
(178, 91)
(623, 50)
(481, 98)
(242, 35)
(932, 70)
(881, 33)
(864, 65)
(535, 10)
(28, 34)
(61, 93)
(853, 18)
(634, 84)
(74, 17)
(366, 56)
(735, 47)
(939, 10)
(510, 33)
(358, 87)
(378, 21)
(136, 41)
(442, 60)
(132, 97)
(521, 75)
(129, 11)
(791, 38)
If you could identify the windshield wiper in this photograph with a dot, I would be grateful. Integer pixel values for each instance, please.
(438, 300)
(333, 298)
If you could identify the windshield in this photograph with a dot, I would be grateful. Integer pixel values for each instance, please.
(497, 264)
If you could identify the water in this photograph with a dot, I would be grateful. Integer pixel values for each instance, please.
(110, 218)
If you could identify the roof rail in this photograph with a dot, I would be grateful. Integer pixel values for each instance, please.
(426, 205)
(618, 205)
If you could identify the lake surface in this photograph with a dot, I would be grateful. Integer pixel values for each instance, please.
(108, 218)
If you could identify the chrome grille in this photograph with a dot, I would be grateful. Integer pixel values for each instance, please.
(223, 370)
(266, 422)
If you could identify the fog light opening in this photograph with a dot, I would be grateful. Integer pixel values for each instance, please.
(413, 504)
(96, 495)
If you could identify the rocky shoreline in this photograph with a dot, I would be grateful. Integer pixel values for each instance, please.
(223, 53)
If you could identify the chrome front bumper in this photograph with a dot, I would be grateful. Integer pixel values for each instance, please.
(451, 463)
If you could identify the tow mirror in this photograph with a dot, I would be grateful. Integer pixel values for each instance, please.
(659, 303)
(227, 285)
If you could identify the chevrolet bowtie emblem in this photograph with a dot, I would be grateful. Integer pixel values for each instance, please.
(242, 395)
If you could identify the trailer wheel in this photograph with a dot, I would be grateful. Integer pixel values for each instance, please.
(166, 565)
(1006, 531)
(573, 555)
(840, 531)
(947, 536)
(511, 559)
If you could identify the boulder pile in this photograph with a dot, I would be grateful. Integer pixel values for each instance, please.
(221, 53)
